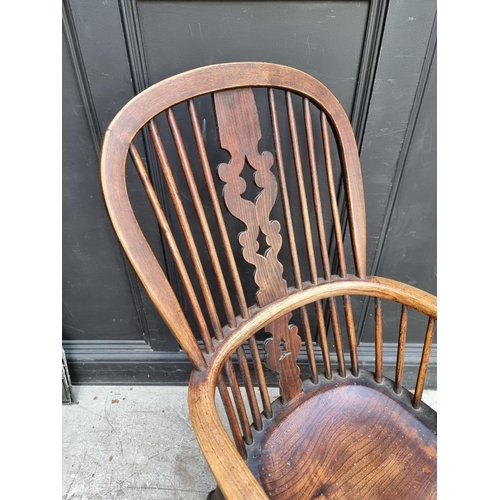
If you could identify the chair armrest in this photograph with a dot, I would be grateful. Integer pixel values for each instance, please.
(230, 470)
(232, 474)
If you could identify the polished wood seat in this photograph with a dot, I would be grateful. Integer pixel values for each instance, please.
(257, 261)
(347, 438)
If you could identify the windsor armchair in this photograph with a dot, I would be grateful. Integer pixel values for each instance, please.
(337, 430)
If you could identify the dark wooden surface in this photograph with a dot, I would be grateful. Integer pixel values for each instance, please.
(239, 134)
(184, 87)
(348, 438)
(348, 435)
(416, 423)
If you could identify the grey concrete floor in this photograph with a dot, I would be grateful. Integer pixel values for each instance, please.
(135, 443)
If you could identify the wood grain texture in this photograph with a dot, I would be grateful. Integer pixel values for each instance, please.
(239, 134)
(207, 172)
(378, 340)
(424, 364)
(202, 218)
(231, 417)
(174, 249)
(342, 435)
(403, 327)
(285, 199)
(221, 454)
(162, 96)
(174, 90)
(361, 444)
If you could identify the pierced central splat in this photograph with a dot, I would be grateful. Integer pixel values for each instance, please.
(263, 245)
(251, 190)
(284, 351)
(239, 134)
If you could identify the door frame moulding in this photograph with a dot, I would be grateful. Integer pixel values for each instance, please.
(78, 64)
(425, 72)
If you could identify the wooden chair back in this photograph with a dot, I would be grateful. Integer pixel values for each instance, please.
(291, 133)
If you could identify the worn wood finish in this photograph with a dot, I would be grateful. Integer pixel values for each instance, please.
(168, 93)
(176, 254)
(422, 372)
(217, 209)
(364, 443)
(335, 435)
(378, 340)
(163, 96)
(239, 134)
(186, 229)
(291, 232)
(231, 417)
(261, 379)
(403, 327)
(221, 454)
(238, 400)
(200, 212)
(313, 273)
(375, 286)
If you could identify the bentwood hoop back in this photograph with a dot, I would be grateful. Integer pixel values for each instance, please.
(263, 272)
